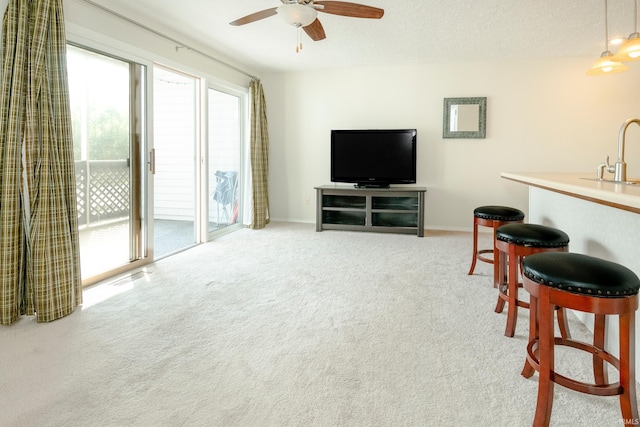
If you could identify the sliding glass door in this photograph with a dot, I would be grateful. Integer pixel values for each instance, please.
(175, 129)
(224, 142)
(190, 178)
(107, 110)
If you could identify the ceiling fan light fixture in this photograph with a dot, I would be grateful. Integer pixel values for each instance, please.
(297, 14)
(606, 65)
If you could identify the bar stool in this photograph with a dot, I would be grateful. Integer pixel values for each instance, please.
(514, 242)
(494, 217)
(591, 285)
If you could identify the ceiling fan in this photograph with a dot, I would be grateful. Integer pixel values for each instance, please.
(303, 14)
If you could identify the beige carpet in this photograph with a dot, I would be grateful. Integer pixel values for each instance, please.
(288, 327)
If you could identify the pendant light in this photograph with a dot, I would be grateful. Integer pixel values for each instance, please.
(606, 64)
(630, 49)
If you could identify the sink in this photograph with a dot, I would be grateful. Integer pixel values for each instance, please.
(627, 182)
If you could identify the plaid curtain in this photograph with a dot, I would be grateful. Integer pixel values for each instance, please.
(259, 158)
(39, 248)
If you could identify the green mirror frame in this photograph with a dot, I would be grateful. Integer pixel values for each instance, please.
(474, 124)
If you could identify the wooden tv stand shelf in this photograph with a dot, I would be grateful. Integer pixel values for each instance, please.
(383, 210)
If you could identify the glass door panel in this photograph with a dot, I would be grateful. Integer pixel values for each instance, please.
(224, 159)
(102, 92)
(175, 98)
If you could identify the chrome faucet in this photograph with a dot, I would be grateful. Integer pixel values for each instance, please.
(619, 169)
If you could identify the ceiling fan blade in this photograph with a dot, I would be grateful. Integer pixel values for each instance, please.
(315, 30)
(254, 17)
(353, 10)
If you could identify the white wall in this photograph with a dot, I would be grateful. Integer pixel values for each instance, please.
(542, 115)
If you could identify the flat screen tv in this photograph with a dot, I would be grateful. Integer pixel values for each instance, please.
(374, 158)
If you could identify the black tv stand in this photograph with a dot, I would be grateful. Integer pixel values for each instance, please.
(383, 210)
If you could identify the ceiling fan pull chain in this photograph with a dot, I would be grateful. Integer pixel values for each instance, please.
(298, 41)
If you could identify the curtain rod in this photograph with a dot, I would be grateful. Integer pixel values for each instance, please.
(178, 42)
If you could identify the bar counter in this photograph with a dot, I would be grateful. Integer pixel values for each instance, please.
(601, 218)
(621, 196)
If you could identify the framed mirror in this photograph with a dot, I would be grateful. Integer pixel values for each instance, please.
(465, 118)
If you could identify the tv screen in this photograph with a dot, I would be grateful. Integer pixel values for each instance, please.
(374, 158)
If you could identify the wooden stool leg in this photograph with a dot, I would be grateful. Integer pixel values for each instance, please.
(599, 367)
(496, 256)
(475, 247)
(512, 289)
(502, 279)
(563, 323)
(546, 357)
(529, 370)
(628, 402)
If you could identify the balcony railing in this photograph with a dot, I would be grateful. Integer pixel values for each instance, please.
(102, 189)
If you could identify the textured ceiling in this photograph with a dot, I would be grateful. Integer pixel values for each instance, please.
(411, 31)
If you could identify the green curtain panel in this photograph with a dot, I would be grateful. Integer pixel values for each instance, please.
(39, 252)
(259, 158)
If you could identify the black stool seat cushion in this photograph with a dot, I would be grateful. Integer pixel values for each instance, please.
(533, 235)
(581, 274)
(498, 213)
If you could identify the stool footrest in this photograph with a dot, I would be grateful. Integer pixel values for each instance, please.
(595, 389)
(482, 258)
(504, 296)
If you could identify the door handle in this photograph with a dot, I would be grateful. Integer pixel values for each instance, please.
(152, 161)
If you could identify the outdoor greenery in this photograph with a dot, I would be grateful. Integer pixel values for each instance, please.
(107, 134)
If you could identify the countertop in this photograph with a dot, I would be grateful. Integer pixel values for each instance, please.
(621, 196)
